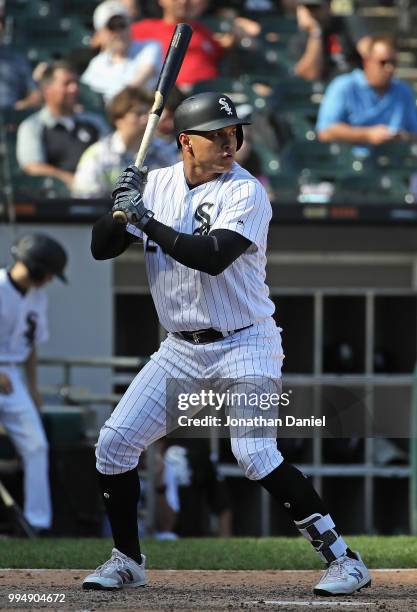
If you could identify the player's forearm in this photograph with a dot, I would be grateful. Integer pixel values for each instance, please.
(345, 133)
(109, 239)
(211, 254)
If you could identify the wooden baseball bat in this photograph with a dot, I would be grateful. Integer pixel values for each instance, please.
(15, 514)
(172, 64)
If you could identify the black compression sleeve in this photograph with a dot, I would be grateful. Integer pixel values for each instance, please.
(211, 254)
(109, 238)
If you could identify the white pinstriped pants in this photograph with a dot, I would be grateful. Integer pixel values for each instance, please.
(140, 417)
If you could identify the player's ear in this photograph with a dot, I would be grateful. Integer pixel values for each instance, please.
(185, 142)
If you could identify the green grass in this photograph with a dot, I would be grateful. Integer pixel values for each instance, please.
(204, 553)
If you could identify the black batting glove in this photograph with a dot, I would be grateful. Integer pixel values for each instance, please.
(131, 204)
(131, 179)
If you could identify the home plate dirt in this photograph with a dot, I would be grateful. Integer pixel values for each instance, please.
(392, 590)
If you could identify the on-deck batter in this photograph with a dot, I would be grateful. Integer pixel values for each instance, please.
(204, 224)
(24, 325)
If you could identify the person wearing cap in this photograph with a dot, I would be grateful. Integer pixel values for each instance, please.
(121, 61)
(326, 44)
(23, 326)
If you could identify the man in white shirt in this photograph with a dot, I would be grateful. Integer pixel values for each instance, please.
(122, 61)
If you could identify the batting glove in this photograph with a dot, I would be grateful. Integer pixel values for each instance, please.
(131, 179)
(131, 204)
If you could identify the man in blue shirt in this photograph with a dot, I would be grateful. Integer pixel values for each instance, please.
(369, 106)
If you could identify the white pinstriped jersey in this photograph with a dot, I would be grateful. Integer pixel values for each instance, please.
(23, 320)
(187, 299)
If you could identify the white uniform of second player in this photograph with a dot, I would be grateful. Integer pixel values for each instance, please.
(23, 324)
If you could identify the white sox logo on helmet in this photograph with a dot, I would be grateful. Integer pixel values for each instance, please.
(224, 105)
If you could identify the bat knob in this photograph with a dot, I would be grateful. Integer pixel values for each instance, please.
(120, 217)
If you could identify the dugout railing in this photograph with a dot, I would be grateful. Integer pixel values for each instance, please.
(318, 469)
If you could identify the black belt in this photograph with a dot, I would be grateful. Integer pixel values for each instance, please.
(203, 336)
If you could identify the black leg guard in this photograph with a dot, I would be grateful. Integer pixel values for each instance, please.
(294, 492)
(121, 496)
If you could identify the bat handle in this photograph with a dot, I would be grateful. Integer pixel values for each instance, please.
(119, 216)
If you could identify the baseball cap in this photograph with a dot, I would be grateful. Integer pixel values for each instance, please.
(105, 11)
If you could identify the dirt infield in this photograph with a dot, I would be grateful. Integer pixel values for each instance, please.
(392, 590)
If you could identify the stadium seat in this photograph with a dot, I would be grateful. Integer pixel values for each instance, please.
(284, 188)
(400, 156)
(302, 122)
(293, 93)
(226, 84)
(269, 159)
(50, 38)
(82, 8)
(90, 100)
(320, 161)
(25, 186)
(17, 9)
(376, 188)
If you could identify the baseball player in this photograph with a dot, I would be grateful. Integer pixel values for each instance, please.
(204, 224)
(23, 325)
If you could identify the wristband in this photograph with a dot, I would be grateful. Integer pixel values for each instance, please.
(316, 33)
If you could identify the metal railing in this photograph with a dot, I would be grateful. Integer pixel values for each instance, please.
(317, 469)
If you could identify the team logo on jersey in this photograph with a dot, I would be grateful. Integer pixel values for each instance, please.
(202, 215)
(31, 322)
(224, 105)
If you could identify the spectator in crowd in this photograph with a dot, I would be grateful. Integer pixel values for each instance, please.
(17, 88)
(101, 164)
(165, 128)
(23, 326)
(327, 44)
(204, 53)
(50, 142)
(121, 61)
(369, 106)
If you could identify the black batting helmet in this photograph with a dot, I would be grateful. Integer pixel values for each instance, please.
(206, 112)
(41, 255)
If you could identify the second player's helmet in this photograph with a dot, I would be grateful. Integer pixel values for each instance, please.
(41, 255)
(206, 112)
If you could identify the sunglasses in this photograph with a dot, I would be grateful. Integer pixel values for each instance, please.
(387, 62)
(117, 23)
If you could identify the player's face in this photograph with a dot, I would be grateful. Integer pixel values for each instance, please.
(214, 151)
(43, 281)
